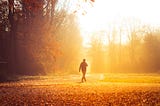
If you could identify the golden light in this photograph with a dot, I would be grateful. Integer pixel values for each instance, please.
(101, 77)
(108, 13)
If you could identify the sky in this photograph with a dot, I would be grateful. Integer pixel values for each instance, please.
(105, 11)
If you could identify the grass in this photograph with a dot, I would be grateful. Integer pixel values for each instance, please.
(131, 78)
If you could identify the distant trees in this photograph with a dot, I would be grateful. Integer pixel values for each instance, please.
(151, 49)
(97, 53)
(37, 36)
(140, 53)
(70, 45)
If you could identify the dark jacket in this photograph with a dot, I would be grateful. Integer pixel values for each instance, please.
(83, 66)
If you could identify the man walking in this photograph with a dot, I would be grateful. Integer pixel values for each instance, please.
(83, 67)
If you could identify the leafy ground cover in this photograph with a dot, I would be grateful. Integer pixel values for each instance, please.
(99, 90)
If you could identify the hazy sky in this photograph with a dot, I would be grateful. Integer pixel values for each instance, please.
(109, 11)
(146, 10)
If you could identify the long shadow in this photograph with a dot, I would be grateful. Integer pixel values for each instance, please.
(81, 82)
(8, 78)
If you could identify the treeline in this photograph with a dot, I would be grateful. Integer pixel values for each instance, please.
(129, 48)
(36, 36)
(27, 26)
(41, 36)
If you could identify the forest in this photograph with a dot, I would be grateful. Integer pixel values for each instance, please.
(38, 37)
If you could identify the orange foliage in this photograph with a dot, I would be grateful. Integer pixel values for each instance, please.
(33, 5)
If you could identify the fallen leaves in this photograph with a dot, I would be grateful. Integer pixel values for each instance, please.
(78, 94)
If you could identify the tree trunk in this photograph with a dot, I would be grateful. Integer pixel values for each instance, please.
(12, 39)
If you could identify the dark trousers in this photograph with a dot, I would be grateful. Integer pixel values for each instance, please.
(83, 77)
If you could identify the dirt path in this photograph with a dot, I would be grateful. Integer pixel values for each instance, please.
(68, 91)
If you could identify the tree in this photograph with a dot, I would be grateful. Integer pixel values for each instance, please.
(151, 49)
(29, 21)
(70, 40)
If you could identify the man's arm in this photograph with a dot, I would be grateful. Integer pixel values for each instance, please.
(86, 64)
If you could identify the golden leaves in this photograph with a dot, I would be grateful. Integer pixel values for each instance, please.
(52, 92)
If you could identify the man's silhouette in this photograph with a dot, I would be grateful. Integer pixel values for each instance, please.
(83, 67)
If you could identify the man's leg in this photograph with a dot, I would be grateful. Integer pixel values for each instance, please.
(82, 79)
(85, 78)
(84, 73)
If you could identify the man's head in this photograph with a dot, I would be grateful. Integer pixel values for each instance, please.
(84, 60)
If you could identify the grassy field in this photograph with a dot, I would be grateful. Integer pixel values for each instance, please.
(132, 78)
(99, 90)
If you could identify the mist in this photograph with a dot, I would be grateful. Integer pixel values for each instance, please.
(50, 38)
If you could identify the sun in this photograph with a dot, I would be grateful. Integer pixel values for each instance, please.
(108, 14)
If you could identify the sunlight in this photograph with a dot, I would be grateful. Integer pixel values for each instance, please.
(102, 77)
(108, 13)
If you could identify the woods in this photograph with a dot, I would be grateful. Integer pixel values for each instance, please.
(79, 52)
(41, 36)
(27, 27)
(34, 33)
(139, 53)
